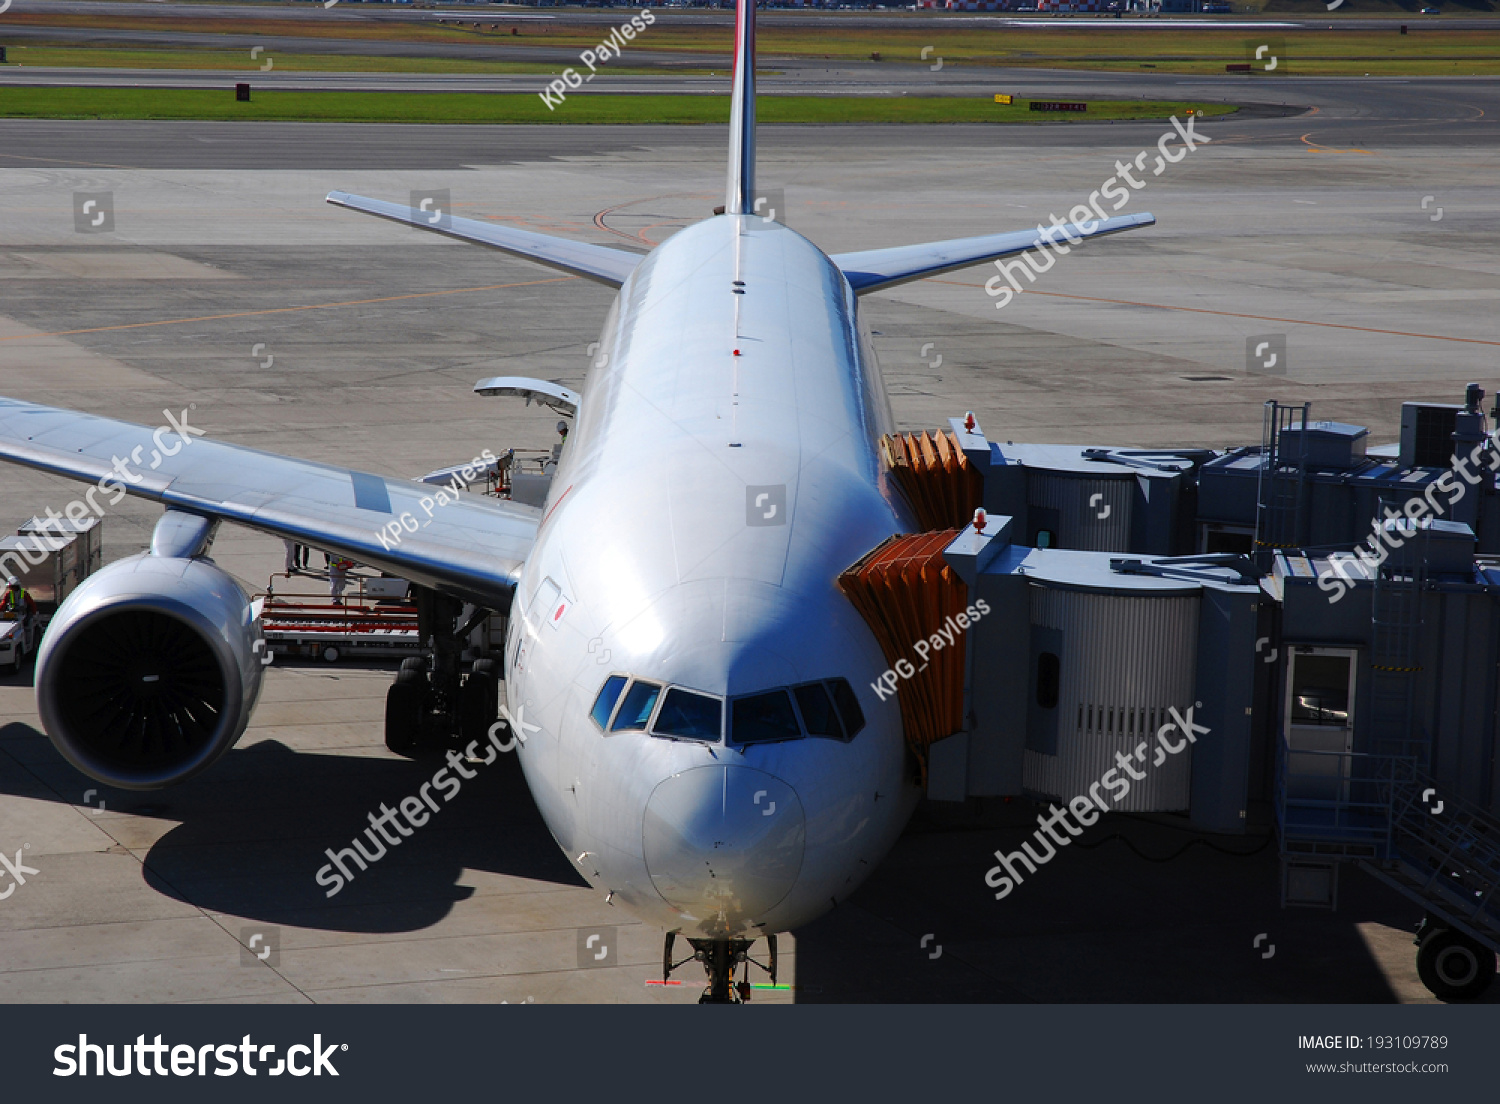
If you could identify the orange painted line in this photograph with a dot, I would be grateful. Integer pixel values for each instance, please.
(1317, 147)
(1234, 314)
(285, 310)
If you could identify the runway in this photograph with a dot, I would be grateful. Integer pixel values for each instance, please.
(1307, 113)
(1365, 231)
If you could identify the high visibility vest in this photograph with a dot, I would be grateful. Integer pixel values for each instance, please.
(14, 601)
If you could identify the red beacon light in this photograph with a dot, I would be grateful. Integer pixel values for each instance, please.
(979, 516)
(969, 423)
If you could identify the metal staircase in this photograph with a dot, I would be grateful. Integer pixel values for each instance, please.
(1282, 486)
(1396, 821)
(1445, 855)
(1395, 644)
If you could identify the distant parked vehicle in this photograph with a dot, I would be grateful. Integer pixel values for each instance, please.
(1430, 10)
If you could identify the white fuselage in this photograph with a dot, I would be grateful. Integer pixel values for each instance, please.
(705, 504)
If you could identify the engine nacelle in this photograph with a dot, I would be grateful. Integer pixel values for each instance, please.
(149, 670)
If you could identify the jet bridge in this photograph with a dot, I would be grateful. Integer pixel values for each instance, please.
(1328, 610)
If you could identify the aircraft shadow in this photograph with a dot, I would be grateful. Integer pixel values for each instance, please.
(253, 831)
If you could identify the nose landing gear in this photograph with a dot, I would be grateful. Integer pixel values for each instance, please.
(720, 958)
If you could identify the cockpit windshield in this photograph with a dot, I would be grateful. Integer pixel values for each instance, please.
(636, 709)
(762, 717)
(689, 715)
(828, 709)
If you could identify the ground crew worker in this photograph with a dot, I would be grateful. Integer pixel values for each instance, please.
(16, 604)
(338, 577)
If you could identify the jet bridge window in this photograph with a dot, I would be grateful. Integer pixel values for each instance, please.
(604, 704)
(689, 716)
(762, 718)
(636, 709)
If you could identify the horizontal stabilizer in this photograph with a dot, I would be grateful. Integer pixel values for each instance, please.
(593, 262)
(874, 269)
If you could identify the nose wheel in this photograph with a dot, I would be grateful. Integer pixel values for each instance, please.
(721, 958)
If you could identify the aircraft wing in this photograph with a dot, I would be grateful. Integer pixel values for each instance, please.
(594, 262)
(470, 547)
(874, 269)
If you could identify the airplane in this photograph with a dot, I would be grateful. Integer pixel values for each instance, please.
(689, 694)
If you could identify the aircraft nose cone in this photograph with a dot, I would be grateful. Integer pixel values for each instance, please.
(723, 844)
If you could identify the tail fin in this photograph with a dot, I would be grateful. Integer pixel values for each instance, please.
(740, 199)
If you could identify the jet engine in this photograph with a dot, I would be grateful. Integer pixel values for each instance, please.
(149, 670)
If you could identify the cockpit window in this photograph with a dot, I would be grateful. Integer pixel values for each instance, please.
(853, 715)
(635, 710)
(764, 717)
(689, 715)
(817, 712)
(604, 704)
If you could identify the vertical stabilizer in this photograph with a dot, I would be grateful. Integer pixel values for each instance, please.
(740, 199)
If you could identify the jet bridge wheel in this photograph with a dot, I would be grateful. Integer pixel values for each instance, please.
(1454, 966)
(405, 704)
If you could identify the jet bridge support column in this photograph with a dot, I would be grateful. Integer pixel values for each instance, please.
(1228, 621)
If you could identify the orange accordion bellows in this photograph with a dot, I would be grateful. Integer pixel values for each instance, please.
(907, 593)
(936, 477)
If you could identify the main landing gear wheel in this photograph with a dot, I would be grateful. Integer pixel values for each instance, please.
(1452, 965)
(433, 707)
(404, 707)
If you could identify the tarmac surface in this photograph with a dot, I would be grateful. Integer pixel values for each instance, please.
(1366, 236)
